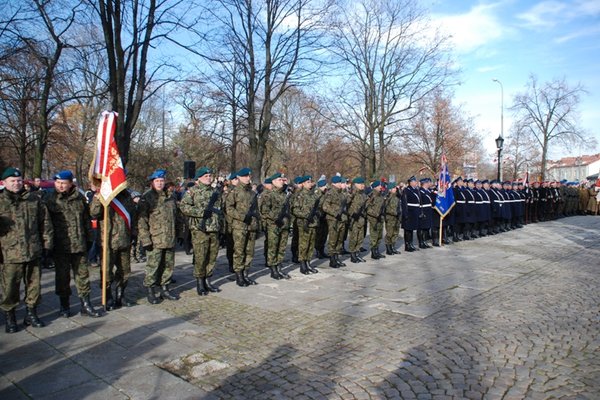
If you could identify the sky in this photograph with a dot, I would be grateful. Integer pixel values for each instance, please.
(509, 40)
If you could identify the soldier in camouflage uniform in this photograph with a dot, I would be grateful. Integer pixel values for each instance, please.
(335, 208)
(241, 205)
(274, 208)
(393, 213)
(119, 234)
(356, 215)
(25, 233)
(72, 239)
(202, 205)
(157, 228)
(233, 182)
(375, 210)
(322, 228)
(305, 209)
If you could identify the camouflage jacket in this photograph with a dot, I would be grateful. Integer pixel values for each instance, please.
(118, 232)
(303, 205)
(392, 206)
(195, 202)
(157, 219)
(271, 205)
(375, 206)
(335, 205)
(25, 227)
(237, 206)
(356, 207)
(70, 216)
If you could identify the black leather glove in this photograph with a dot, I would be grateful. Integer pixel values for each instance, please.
(207, 214)
(279, 223)
(148, 247)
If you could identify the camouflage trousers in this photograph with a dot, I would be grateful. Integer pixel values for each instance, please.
(206, 249)
(356, 235)
(276, 240)
(243, 249)
(375, 232)
(392, 227)
(64, 264)
(306, 243)
(159, 267)
(335, 239)
(10, 279)
(118, 267)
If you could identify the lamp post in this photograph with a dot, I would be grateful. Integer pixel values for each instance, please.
(499, 145)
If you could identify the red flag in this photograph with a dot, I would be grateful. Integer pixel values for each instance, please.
(107, 166)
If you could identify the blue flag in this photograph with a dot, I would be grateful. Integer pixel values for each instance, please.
(445, 196)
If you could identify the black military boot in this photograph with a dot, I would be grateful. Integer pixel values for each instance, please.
(110, 302)
(281, 273)
(208, 286)
(274, 273)
(394, 249)
(374, 254)
(152, 299)
(332, 262)
(239, 279)
(64, 310)
(353, 258)
(420, 239)
(11, 321)
(304, 268)
(311, 268)
(166, 294)
(407, 241)
(200, 288)
(435, 240)
(339, 262)
(321, 254)
(388, 250)
(31, 318)
(87, 308)
(247, 279)
(120, 298)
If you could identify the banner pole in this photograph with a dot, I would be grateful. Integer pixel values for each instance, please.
(441, 229)
(104, 254)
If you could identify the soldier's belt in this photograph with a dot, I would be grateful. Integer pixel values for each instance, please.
(413, 205)
(460, 201)
(426, 205)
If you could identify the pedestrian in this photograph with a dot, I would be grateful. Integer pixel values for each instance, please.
(241, 206)
(157, 232)
(73, 238)
(25, 234)
(119, 245)
(202, 205)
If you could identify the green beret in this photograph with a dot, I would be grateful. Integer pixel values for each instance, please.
(200, 172)
(11, 172)
(244, 172)
(276, 175)
(358, 179)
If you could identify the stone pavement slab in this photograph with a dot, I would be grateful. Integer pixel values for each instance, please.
(515, 315)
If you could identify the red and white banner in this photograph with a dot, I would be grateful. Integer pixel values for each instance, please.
(107, 166)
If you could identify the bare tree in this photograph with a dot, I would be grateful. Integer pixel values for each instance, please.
(521, 152)
(549, 113)
(272, 42)
(440, 127)
(393, 59)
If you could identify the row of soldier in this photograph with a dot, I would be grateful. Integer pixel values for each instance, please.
(317, 215)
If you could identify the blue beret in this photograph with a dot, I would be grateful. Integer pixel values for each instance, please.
(276, 175)
(268, 181)
(412, 179)
(337, 179)
(298, 180)
(11, 172)
(232, 175)
(65, 174)
(358, 179)
(244, 172)
(307, 178)
(563, 181)
(375, 184)
(200, 172)
(321, 183)
(159, 173)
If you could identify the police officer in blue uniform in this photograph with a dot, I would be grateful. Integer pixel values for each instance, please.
(411, 212)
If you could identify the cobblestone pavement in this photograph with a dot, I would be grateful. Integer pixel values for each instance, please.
(510, 316)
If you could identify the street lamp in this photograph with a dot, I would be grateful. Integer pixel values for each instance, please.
(499, 145)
